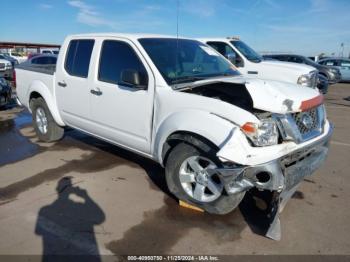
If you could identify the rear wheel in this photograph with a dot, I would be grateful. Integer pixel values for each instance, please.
(188, 179)
(45, 126)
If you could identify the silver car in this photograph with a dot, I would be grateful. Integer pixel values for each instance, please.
(343, 64)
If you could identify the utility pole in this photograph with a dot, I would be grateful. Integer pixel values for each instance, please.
(341, 54)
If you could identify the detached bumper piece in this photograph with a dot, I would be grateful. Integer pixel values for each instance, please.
(281, 176)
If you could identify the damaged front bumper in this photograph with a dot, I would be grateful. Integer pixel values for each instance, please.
(282, 176)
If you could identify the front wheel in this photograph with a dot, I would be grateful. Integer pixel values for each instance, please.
(45, 126)
(188, 179)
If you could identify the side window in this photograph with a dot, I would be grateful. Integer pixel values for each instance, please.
(222, 48)
(329, 63)
(78, 57)
(117, 56)
(35, 61)
(295, 59)
(227, 51)
(345, 64)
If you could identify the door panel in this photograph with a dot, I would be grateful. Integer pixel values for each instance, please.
(72, 83)
(344, 68)
(121, 112)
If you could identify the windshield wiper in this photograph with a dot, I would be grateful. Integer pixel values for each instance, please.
(187, 79)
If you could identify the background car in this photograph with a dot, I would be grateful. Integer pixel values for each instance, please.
(13, 61)
(31, 55)
(322, 84)
(343, 64)
(49, 51)
(330, 72)
(5, 92)
(39, 60)
(18, 56)
(6, 68)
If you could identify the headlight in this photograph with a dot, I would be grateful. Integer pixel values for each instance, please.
(334, 71)
(308, 80)
(263, 134)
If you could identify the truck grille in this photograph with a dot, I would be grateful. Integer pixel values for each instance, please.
(302, 126)
(2, 66)
(307, 121)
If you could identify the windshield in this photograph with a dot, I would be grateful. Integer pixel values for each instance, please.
(248, 52)
(184, 60)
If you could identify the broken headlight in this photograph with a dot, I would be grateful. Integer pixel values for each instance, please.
(308, 80)
(263, 134)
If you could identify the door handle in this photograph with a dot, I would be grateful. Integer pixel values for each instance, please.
(96, 92)
(63, 84)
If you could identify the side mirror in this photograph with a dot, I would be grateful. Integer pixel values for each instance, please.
(133, 78)
(232, 58)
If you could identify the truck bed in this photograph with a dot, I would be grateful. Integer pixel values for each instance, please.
(45, 69)
(26, 76)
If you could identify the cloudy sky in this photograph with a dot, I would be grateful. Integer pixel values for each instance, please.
(301, 26)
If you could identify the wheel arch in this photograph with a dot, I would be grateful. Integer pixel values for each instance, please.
(39, 89)
(199, 128)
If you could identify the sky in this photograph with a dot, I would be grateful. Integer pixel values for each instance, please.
(307, 27)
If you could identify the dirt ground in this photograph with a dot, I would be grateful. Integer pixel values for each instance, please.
(95, 198)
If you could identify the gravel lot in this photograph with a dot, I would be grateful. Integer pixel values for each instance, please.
(96, 198)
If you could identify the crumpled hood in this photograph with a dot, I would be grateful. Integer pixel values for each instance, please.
(300, 68)
(277, 97)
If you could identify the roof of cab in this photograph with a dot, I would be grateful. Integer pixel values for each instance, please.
(122, 35)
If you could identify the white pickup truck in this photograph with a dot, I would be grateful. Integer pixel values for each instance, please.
(253, 65)
(182, 104)
(5, 68)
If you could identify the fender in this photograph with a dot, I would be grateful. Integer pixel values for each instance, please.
(202, 123)
(43, 90)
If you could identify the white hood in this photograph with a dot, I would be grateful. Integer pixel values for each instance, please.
(278, 65)
(277, 97)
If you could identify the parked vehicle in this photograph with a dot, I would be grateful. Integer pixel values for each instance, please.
(5, 68)
(41, 59)
(19, 57)
(5, 92)
(322, 84)
(12, 60)
(50, 51)
(31, 55)
(332, 73)
(343, 64)
(252, 65)
(182, 104)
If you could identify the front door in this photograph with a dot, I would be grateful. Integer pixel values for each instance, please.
(120, 112)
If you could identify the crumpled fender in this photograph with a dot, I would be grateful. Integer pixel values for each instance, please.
(202, 123)
(238, 150)
(41, 88)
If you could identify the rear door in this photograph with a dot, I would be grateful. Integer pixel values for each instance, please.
(72, 83)
(119, 112)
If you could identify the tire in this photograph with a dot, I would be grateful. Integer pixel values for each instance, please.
(53, 132)
(177, 160)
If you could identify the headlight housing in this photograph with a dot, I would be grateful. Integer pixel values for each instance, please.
(334, 71)
(263, 134)
(308, 80)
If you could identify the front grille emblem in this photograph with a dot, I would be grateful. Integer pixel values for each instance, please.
(307, 121)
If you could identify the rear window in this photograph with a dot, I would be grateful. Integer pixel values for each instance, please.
(78, 57)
